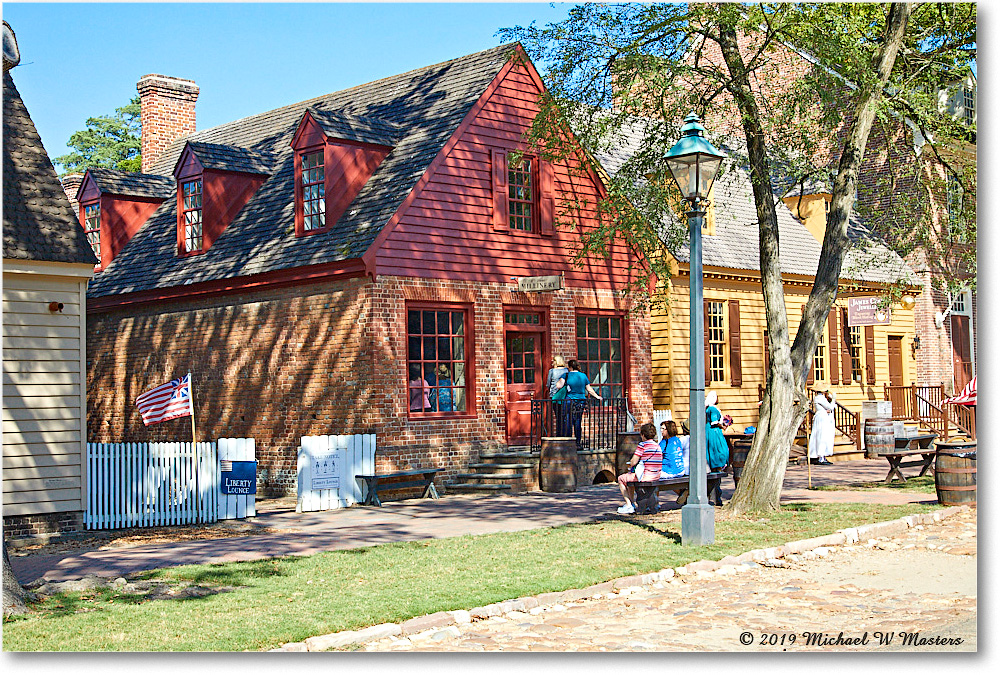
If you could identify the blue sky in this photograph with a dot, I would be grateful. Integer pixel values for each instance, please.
(80, 60)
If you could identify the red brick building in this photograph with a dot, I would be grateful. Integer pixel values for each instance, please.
(309, 264)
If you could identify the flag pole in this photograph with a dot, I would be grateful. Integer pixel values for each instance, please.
(194, 438)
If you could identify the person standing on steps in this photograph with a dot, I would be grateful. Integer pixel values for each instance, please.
(579, 388)
(824, 428)
(556, 374)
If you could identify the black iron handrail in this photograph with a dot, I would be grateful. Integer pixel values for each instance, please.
(600, 421)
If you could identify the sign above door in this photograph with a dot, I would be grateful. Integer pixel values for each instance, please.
(535, 284)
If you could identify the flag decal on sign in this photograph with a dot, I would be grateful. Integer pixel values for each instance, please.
(166, 402)
(226, 465)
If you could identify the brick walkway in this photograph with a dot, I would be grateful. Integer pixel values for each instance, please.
(309, 533)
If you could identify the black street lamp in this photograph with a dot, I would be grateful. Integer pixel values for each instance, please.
(694, 164)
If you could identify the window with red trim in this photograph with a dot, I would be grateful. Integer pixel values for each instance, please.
(521, 198)
(191, 215)
(599, 349)
(92, 226)
(313, 180)
(437, 360)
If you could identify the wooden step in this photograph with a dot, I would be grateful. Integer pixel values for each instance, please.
(501, 466)
(475, 487)
(509, 455)
(490, 476)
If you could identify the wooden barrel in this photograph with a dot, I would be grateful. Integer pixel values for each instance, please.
(557, 464)
(955, 473)
(738, 457)
(880, 438)
(625, 449)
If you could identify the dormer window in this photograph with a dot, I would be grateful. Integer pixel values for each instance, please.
(92, 227)
(313, 179)
(521, 199)
(335, 155)
(192, 215)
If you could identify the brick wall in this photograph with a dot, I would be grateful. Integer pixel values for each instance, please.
(167, 106)
(42, 525)
(322, 359)
(71, 184)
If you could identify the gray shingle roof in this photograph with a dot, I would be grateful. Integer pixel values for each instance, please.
(427, 105)
(38, 221)
(232, 158)
(133, 184)
(736, 242)
(361, 129)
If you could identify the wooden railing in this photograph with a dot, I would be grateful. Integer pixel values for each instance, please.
(926, 405)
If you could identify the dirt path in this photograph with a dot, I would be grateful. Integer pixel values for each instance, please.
(921, 583)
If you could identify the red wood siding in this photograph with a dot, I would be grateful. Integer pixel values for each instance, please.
(447, 230)
(121, 218)
(224, 194)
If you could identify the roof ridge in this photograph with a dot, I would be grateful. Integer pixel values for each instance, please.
(351, 88)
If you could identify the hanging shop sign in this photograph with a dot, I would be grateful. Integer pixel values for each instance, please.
(535, 284)
(866, 312)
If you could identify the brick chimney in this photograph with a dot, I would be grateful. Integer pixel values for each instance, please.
(167, 105)
(71, 185)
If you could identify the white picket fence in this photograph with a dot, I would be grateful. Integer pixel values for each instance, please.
(149, 484)
(236, 506)
(328, 467)
(660, 416)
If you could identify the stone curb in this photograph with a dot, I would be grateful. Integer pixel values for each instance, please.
(429, 624)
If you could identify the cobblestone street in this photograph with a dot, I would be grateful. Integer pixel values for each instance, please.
(918, 587)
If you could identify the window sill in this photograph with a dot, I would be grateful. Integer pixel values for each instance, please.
(414, 416)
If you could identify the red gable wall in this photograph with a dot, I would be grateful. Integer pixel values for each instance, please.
(446, 229)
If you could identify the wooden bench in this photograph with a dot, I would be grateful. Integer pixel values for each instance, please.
(647, 492)
(374, 483)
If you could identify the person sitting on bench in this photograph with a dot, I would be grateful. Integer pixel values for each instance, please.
(648, 452)
(673, 451)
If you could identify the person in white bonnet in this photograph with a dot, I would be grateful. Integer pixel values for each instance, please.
(824, 428)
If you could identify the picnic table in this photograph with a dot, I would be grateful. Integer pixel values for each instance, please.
(374, 482)
(907, 446)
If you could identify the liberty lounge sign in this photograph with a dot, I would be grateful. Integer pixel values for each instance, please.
(866, 312)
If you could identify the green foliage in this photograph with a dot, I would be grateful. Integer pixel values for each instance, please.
(289, 599)
(627, 74)
(108, 142)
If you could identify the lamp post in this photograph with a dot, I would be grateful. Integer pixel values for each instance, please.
(694, 164)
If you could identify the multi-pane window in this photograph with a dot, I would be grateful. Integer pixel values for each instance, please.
(715, 313)
(192, 215)
(969, 105)
(436, 360)
(599, 351)
(313, 191)
(92, 226)
(958, 307)
(519, 318)
(819, 359)
(856, 351)
(521, 365)
(521, 195)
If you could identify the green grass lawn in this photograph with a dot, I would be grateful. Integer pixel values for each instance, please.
(918, 484)
(289, 599)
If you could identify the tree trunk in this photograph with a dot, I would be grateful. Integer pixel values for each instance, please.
(13, 594)
(785, 400)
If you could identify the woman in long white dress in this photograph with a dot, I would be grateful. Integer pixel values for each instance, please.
(824, 428)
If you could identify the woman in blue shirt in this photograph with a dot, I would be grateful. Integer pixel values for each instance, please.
(579, 388)
(673, 451)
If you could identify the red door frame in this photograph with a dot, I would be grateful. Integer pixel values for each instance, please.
(542, 330)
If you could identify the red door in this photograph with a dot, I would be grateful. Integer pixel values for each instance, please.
(524, 382)
(961, 350)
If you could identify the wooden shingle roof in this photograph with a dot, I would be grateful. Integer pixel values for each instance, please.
(426, 106)
(38, 221)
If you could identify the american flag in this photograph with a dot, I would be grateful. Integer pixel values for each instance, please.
(166, 402)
